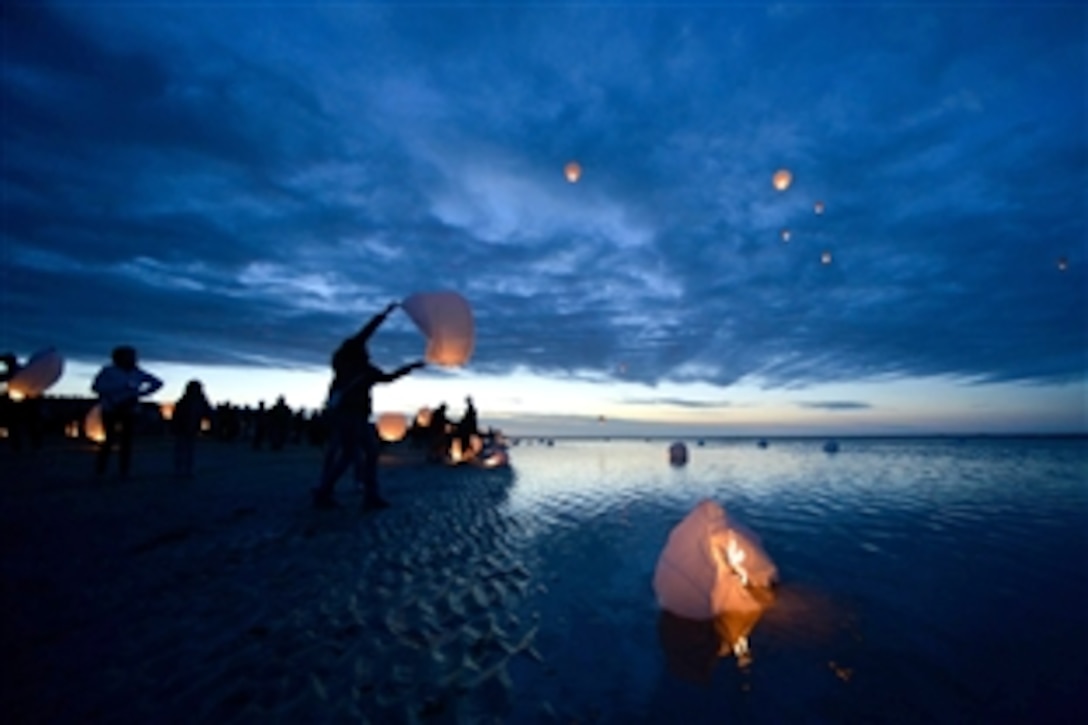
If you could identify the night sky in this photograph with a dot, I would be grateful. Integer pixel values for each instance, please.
(234, 187)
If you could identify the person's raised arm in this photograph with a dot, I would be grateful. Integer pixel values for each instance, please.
(401, 371)
(372, 326)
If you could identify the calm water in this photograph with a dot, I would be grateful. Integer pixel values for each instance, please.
(921, 580)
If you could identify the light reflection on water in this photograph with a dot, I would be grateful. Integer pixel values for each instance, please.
(948, 576)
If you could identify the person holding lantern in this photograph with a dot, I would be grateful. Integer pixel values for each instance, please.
(348, 410)
(120, 387)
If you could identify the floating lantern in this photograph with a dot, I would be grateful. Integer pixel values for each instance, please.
(782, 179)
(711, 565)
(93, 428)
(818, 207)
(456, 454)
(423, 417)
(166, 410)
(445, 319)
(785, 235)
(825, 258)
(392, 427)
(1063, 264)
(41, 371)
(573, 172)
(678, 454)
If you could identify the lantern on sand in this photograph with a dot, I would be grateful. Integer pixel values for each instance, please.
(782, 179)
(166, 410)
(711, 565)
(41, 371)
(93, 427)
(392, 427)
(573, 171)
(445, 319)
(678, 454)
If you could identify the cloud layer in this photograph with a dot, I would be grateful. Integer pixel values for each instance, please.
(240, 186)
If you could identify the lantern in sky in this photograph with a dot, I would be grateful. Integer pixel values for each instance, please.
(818, 207)
(782, 179)
(678, 454)
(93, 427)
(573, 171)
(392, 427)
(445, 319)
(785, 235)
(825, 258)
(711, 565)
(41, 371)
(1063, 264)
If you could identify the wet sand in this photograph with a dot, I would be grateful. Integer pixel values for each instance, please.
(227, 598)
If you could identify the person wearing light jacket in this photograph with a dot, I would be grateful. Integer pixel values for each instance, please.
(119, 387)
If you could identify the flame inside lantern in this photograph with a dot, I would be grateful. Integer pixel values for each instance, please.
(573, 171)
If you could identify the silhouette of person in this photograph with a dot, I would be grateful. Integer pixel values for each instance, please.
(468, 426)
(348, 410)
(9, 410)
(440, 443)
(119, 387)
(190, 410)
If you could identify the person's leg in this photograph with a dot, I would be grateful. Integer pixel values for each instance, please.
(337, 459)
(372, 496)
(124, 453)
(109, 425)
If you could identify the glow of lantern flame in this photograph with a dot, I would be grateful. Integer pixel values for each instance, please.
(825, 258)
(166, 410)
(818, 207)
(782, 179)
(785, 235)
(573, 171)
(1063, 264)
(16, 394)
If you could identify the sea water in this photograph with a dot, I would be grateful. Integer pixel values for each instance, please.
(921, 580)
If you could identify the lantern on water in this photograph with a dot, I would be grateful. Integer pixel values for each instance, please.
(445, 319)
(41, 371)
(392, 427)
(818, 207)
(678, 454)
(93, 428)
(711, 565)
(782, 179)
(573, 171)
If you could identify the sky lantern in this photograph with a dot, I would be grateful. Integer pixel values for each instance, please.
(782, 179)
(41, 371)
(392, 427)
(93, 427)
(786, 235)
(573, 171)
(825, 257)
(1063, 264)
(445, 319)
(818, 207)
(711, 565)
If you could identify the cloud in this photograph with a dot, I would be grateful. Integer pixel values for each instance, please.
(222, 193)
(835, 405)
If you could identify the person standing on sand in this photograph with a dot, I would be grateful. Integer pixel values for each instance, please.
(348, 412)
(120, 387)
(189, 412)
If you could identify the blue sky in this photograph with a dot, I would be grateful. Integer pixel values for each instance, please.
(235, 187)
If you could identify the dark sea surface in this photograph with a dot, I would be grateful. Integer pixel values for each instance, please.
(922, 580)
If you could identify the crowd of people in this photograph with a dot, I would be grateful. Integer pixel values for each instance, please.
(344, 426)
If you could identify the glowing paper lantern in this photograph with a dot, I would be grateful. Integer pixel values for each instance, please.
(1063, 264)
(785, 235)
(455, 453)
(782, 179)
(825, 258)
(573, 171)
(166, 410)
(678, 454)
(445, 319)
(392, 427)
(93, 427)
(710, 565)
(423, 417)
(41, 371)
(818, 207)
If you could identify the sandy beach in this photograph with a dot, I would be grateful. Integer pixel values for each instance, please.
(227, 598)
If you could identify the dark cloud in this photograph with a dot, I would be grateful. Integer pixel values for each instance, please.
(250, 191)
(835, 405)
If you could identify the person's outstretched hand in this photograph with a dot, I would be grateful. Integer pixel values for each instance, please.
(419, 364)
(391, 306)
